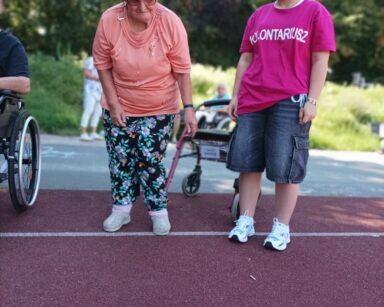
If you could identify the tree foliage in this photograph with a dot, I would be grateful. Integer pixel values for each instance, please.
(215, 29)
(54, 27)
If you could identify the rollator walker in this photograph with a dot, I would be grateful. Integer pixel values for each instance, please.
(208, 144)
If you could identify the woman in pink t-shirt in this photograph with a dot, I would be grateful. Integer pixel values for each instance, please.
(280, 74)
(142, 56)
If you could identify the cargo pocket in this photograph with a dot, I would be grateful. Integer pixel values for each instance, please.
(299, 159)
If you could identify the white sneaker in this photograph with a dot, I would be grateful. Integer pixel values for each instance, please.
(279, 237)
(96, 137)
(160, 221)
(115, 221)
(244, 228)
(85, 137)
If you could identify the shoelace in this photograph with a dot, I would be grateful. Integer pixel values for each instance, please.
(242, 224)
(278, 230)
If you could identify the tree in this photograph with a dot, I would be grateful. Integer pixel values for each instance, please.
(55, 27)
(215, 29)
(359, 30)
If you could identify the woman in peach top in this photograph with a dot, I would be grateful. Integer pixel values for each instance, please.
(142, 56)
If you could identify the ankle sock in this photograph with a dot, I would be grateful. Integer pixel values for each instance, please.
(160, 212)
(123, 209)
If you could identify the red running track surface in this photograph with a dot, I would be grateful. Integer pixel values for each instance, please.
(322, 270)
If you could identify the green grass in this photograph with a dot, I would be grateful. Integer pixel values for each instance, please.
(56, 96)
(345, 113)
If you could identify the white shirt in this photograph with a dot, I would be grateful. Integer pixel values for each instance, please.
(92, 87)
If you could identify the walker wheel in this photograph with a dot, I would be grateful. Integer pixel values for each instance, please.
(191, 184)
(235, 208)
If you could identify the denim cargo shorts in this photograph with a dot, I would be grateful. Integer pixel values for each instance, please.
(273, 140)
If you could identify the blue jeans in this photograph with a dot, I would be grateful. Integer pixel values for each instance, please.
(272, 140)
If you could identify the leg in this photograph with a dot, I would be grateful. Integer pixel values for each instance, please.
(152, 143)
(96, 114)
(246, 155)
(122, 163)
(286, 146)
(250, 186)
(154, 133)
(286, 198)
(88, 105)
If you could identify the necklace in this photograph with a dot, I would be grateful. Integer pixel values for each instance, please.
(295, 3)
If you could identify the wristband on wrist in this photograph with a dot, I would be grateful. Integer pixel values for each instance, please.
(312, 101)
(189, 105)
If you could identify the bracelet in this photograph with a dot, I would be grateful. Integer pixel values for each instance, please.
(189, 105)
(312, 100)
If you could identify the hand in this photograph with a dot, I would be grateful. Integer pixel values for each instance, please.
(117, 115)
(307, 113)
(190, 121)
(232, 109)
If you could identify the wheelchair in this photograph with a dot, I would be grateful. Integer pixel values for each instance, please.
(20, 148)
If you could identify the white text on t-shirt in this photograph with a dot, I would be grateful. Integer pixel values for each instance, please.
(279, 34)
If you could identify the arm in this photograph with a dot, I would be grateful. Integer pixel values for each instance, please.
(89, 75)
(244, 62)
(318, 76)
(109, 90)
(20, 85)
(16, 72)
(185, 86)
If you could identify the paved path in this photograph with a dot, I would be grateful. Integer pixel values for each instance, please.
(71, 164)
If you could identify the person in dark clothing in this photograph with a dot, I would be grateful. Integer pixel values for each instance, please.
(14, 72)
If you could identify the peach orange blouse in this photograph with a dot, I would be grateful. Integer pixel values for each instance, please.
(143, 63)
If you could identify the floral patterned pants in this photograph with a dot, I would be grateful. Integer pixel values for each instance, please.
(136, 153)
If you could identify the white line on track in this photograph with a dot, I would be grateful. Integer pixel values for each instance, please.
(185, 234)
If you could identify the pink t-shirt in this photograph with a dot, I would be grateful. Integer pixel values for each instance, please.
(143, 63)
(282, 41)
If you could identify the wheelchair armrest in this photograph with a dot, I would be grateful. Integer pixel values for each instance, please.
(216, 102)
(8, 97)
(9, 93)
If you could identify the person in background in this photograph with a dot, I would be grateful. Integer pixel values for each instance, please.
(142, 55)
(91, 102)
(14, 70)
(210, 117)
(222, 93)
(279, 78)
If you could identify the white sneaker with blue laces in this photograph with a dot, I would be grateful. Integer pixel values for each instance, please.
(244, 228)
(279, 237)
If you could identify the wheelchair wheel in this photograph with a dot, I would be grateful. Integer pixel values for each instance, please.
(224, 124)
(191, 184)
(24, 162)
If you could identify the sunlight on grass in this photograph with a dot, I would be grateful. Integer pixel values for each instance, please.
(345, 113)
